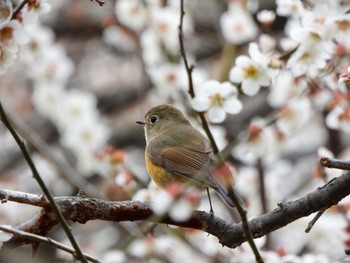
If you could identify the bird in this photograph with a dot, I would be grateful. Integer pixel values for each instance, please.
(176, 152)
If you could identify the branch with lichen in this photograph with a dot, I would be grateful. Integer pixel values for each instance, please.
(82, 209)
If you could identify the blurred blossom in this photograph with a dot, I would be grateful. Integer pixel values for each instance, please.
(177, 200)
(47, 100)
(237, 25)
(167, 79)
(250, 71)
(34, 9)
(119, 38)
(341, 27)
(114, 256)
(12, 35)
(217, 99)
(142, 247)
(258, 141)
(339, 118)
(54, 65)
(284, 87)
(131, 13)
(165, 24)
(151, 48)
(266, 17)
(289, 8)
(267, 43)
(76, 106)
(7, 58)
(288, 44)
(311, 54)
(6, 11)
(85, 137)
(40, 38)
(294, 115)
(322, 242)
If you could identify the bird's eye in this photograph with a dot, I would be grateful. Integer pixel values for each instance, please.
(153, 119)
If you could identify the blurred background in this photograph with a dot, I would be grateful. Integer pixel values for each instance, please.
(79, 76)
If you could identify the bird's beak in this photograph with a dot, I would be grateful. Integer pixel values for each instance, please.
(140, 122)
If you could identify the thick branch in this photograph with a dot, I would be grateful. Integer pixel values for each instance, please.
(82, 209)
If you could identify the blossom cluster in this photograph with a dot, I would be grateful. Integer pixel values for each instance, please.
(72, 110)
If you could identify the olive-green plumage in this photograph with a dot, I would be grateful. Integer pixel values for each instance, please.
(177, 152)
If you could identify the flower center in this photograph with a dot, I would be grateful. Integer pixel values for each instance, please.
(6, 34)
(216, 99)
(251, 72)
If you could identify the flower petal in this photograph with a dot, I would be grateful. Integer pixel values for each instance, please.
(236, 75)
(250, 87)
(216, 114)
(232, 105)
(200, 103)
(226, 89)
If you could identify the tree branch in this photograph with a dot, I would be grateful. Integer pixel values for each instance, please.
(82, 209)
(46, 240)
(334, 163)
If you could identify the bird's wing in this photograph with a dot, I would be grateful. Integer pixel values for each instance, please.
(188, 160)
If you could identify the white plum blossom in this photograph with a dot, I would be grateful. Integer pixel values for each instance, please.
(6, 11)
(34, 9)
(294, 115)
(250, 71)
(217, 99)
(311, 55)
(131, 13)
(237, 25)
(12, 35)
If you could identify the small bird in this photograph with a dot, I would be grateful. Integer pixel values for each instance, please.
(177, 152)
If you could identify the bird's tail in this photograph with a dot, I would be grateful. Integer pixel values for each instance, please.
(224, 196)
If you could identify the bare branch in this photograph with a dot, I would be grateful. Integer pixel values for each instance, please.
(19, 9)
(334, 163)
(50, 241)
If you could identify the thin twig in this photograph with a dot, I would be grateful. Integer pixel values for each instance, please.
(314, 220)
(189, 69)
(42, 185)
(19, 9)
(100, 2)
(335, 163)
(46, 240)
